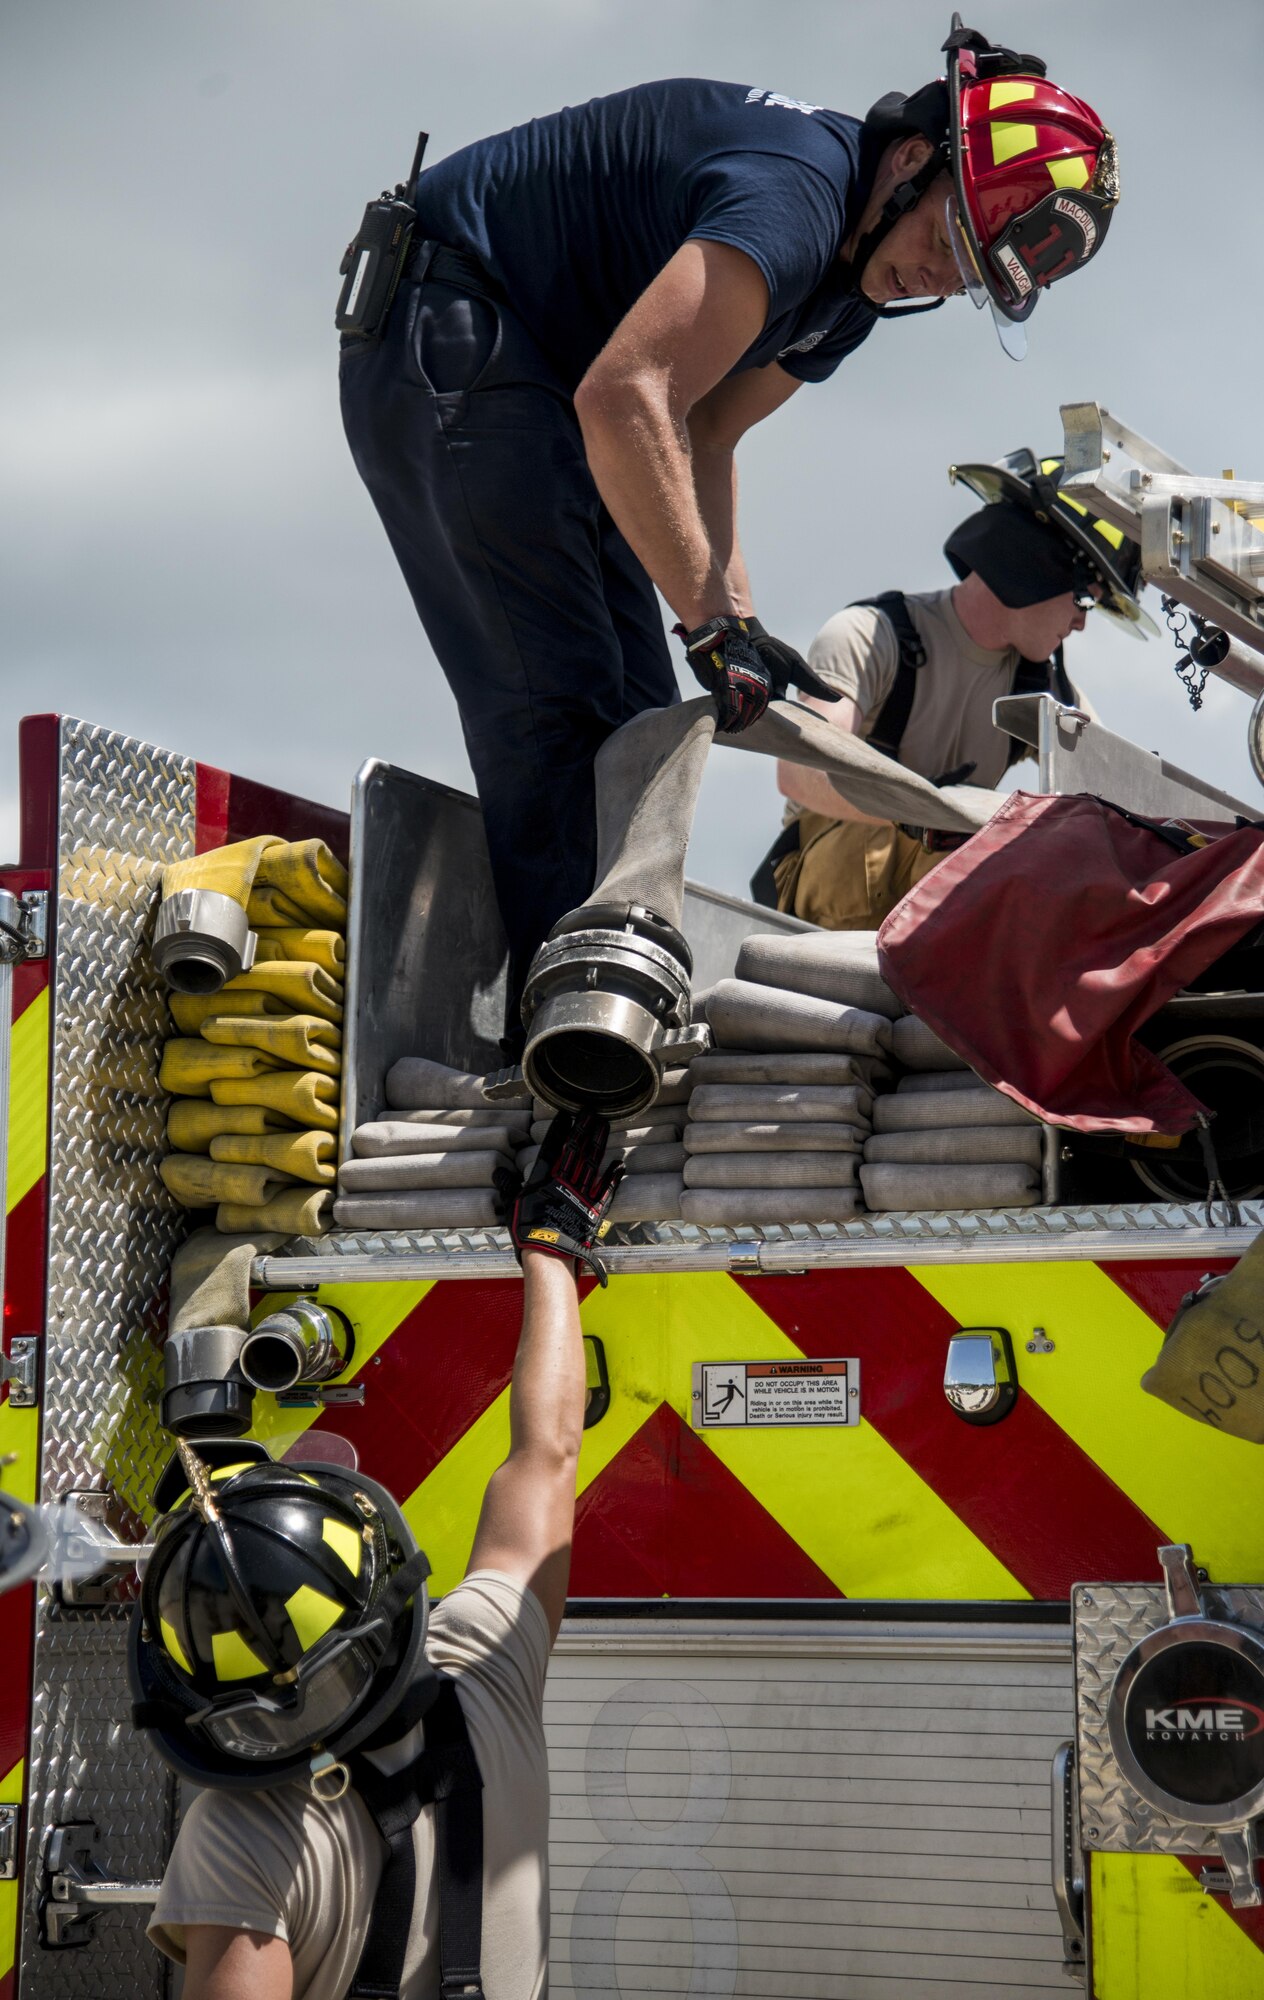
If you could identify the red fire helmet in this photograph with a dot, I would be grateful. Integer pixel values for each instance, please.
(1035, 179)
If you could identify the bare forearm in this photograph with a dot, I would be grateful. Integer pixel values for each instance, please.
(546, 1397)
(528, 1513)
(715, 488)
(638, 453)
(811, 788)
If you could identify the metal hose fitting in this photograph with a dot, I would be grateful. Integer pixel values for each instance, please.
(607, 1009)
(203, 1391)
(202, 940)
(305, 1343)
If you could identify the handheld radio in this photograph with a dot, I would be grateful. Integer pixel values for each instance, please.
(374, 258)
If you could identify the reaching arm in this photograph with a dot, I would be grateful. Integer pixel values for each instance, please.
(643, 409)
(528, 1515)
(812, 788)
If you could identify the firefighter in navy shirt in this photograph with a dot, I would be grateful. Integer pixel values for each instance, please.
(596, 307)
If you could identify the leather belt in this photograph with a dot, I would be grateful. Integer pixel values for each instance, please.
(459, 268)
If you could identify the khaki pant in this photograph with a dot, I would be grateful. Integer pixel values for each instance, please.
(847, 876)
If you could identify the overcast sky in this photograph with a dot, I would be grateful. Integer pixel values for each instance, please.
(189, 554)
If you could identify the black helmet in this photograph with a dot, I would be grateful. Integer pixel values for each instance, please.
(282, 1616)
(1033, 541)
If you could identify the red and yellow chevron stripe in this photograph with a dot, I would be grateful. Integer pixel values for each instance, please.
(1083, 1481)
(25, 1220)
(1157, 1936)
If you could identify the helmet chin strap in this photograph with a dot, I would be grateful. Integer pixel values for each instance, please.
(900, 203)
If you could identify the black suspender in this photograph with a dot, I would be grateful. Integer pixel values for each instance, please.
(1030, 677)
(888, 731)
(447, 1776)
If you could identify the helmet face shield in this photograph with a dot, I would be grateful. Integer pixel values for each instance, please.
(1012, 334)
(963, 255)
(331, 1684)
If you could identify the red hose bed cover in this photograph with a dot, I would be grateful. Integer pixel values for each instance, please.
(1039, 948)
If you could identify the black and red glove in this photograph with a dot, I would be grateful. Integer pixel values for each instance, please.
(724, 660)
(562, 1207)
(743, 668)
(787, 667)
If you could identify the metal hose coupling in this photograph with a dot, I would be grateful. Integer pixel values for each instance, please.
(607, 1009)
(305, 1343)
(203, 1392)
(201, 940)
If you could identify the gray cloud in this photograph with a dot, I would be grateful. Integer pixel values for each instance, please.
(190, 556)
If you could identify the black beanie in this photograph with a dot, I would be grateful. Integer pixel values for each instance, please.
(1021, 561)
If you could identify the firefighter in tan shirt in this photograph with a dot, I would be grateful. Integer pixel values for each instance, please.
(918, 676)
(283, 1657)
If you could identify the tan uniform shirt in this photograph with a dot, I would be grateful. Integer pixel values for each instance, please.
(950, 722)
(280, 1863)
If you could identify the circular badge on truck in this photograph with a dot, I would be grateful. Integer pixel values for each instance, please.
(1186, 1721)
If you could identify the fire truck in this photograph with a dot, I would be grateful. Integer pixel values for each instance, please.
(835, 1709)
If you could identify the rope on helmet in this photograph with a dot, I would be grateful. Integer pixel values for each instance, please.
(201, 1492)
(203, 1501)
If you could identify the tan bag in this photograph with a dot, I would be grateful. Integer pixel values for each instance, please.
(1211, 1363)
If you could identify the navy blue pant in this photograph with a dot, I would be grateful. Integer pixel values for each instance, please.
(546, 626)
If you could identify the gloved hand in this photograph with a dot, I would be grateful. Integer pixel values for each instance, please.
(744, 668)
(563, 1205)
(724, 660)
(788, 668)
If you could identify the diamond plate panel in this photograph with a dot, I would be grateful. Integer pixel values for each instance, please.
(1109, 1620)
(126, 809)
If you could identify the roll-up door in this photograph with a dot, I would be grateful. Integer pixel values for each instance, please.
(773, 1808)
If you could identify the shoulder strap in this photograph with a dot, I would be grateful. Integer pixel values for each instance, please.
(888, 731)
(447, 1776)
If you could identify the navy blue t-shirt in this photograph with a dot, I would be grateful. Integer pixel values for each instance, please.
(574, 215)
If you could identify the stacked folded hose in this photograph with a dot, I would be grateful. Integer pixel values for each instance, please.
(428, 1161)
(782, 1107)
(944, 1139)
(651, 1146)
(254, 1070)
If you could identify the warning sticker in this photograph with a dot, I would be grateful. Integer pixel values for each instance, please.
(729, 1394)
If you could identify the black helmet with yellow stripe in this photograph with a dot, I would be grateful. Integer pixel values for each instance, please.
(282, 1615)
(1059, 544)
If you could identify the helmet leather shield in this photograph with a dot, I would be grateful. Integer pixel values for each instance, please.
(1062, 232)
